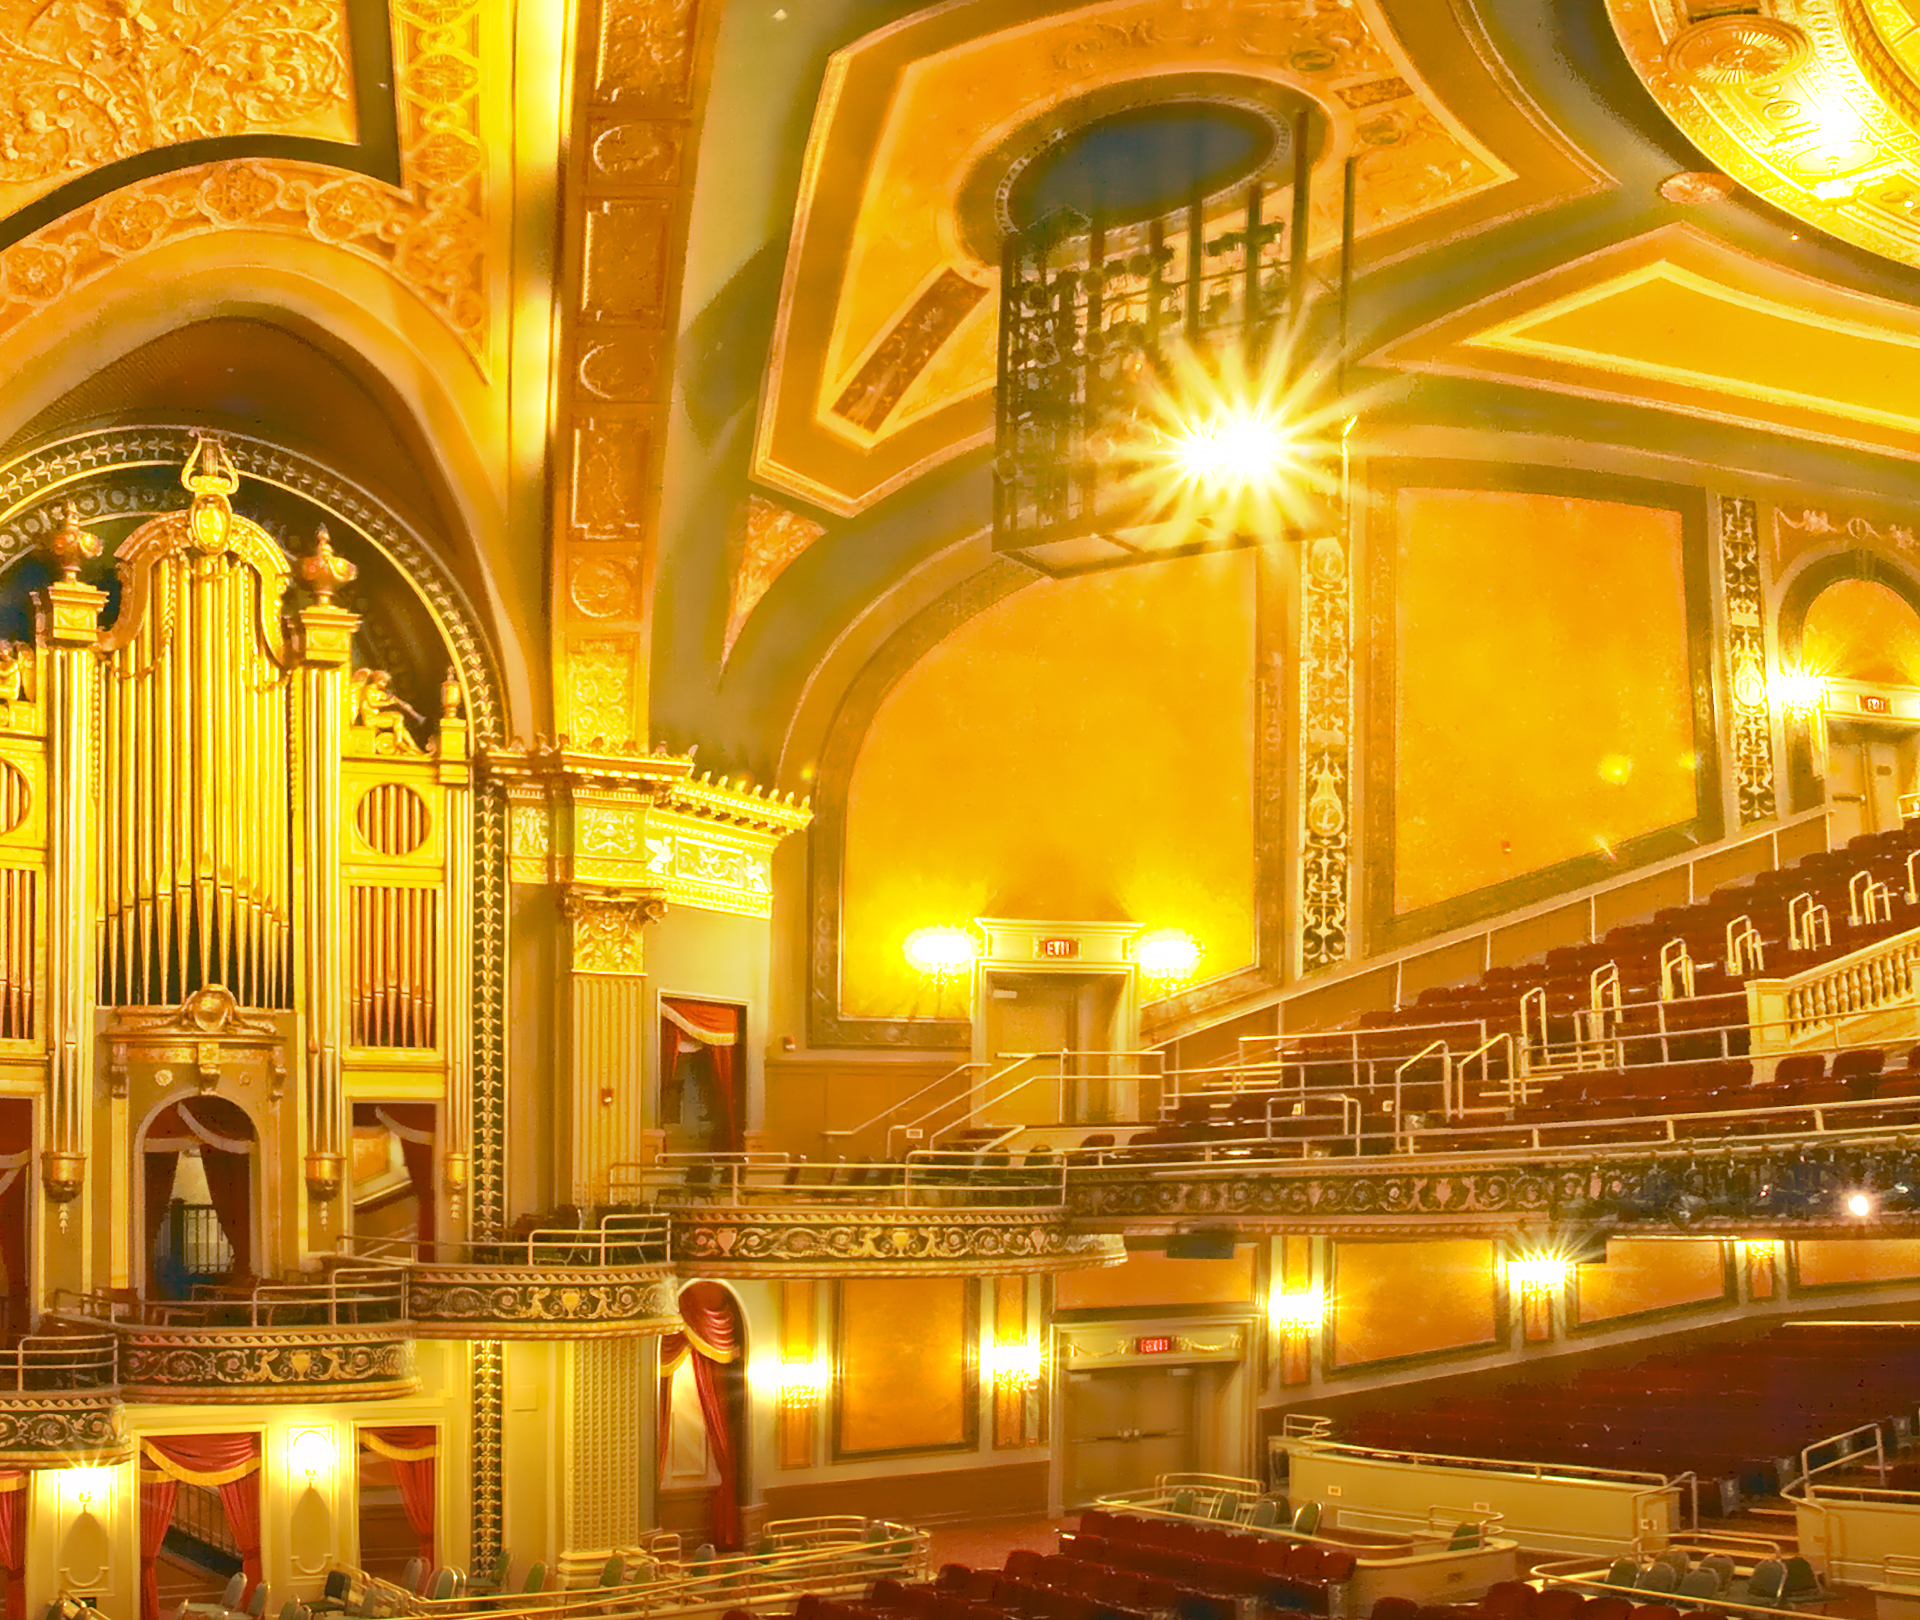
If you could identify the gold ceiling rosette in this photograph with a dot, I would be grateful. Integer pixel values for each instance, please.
(1813, 104)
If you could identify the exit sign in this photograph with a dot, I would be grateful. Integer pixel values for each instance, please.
(1060, 948)
(1871, 704)
(1152, 1347)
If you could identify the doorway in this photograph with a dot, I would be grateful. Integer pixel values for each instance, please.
(197, 1194)
(1128, 1425)
(1048, 1013)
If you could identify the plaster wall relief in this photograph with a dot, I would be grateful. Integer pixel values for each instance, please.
(1799, 529)
(768, 538)
(427, 232)
(1326, 737)
(1743, 602)
(884, 350)
(640, 85)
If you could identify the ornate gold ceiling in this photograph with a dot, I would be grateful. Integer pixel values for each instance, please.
(883, 356)
(1814, 104)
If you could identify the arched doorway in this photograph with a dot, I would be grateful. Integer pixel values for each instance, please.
(702, 1452)
(198, 1196)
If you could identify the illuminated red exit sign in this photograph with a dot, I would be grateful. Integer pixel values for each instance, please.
(1869, 704)
(1152, 1347)
(1060, 948)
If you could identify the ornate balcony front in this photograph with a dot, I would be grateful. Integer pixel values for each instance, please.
(614, 1280)
(933, 1214)
(60, 1402)
(342, 1337)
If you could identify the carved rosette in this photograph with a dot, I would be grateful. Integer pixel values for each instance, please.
(728, 1242)
(506, 1303)
(1326, 730)
(51, 1428)
(608, 929)
(1747, 660)
(266, 1364)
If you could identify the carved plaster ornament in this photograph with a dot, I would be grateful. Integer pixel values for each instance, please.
(324, 570)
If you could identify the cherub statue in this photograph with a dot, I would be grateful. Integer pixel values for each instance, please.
(380, 711)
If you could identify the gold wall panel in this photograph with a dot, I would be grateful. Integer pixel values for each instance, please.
(1410, 1299)
(1083, 748)
(1541, 677)
(906, 1365)
(1646, 1276)
(1839, 1262)
(1863, 632)
(1148, 1278)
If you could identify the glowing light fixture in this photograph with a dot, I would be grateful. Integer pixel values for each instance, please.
(941, 952)
(88, 1485)
(1014, 1367)
(1800, 691)
(1860, 1205)
(802, 1384)
(1231, 449)
(1300, 1311)
(313, 1453)
(1538, 1273)
(1167, 957)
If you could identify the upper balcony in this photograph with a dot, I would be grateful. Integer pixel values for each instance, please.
(60, 1401)
(343, 1336)
(549, 1281)
(765, 1215)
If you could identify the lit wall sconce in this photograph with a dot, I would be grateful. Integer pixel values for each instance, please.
(1167, 959)
(799, 1386)
(1762, 1257)
(1537, 1279)
(88, 1490)
(1013, 1368)
(1296, 1317)
(1802, 695)
(312, 1455)
(942, 954)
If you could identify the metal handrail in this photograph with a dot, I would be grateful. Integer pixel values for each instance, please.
(929, 1178)
(623, 1238)
(59, 1361)
(1845, 1458)
(1499, 1465)
(350, 1296)
(912, 1097)
(919, 1127)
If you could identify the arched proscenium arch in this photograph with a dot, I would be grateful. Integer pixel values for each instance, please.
(1802, 589)
(34, 484)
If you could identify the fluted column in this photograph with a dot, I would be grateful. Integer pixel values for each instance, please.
(326, 640)
(605, 1033)
(69, 625)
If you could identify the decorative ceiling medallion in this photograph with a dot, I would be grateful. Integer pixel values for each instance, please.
(883, 356)
(1812, 104)
(1696, 187)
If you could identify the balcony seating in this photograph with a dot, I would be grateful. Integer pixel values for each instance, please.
(1721, 1410)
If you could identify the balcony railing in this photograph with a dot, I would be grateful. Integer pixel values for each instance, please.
(59, 1399)
(930, 1179)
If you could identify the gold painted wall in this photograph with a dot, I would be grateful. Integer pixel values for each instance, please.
(1863, 632)
(1544, 701)
(1149, 1278)
(1646, 1276)
(1082, 750)
(1407, 1299)
(905, 1357)
(1827, 1262)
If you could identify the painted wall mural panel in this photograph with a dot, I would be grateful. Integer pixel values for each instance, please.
(1410, 1299)
(905, 1353)
(1560, 716)
(1642, 1275)
(1083, 749)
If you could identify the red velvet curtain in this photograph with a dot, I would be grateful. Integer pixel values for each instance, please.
(717, 1028)
(16, 1137)
(13, 1539)
(412, 1474)
(229, 1185)
(160, 1169)
(714, 1336)
(230, 1463)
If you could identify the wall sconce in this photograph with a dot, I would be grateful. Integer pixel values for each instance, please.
(941, 954)
(87, 1486)
(1802, 695)
(1537, 1278)
(1167, 959)
(1013, 1368)
(800, 1386)
(312, 1455)
(1761, 1256)
(1296, 1316)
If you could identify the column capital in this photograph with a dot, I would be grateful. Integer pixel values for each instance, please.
(608, 925)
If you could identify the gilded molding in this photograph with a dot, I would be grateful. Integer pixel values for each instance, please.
(609, 929)
(223, 1365)
(489, 1411)
(723, 1242)
(1809, 103)
(471, 1302)
(53, 1428)
(428, 233)
(1326, 760)
(1745, 607)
